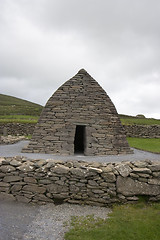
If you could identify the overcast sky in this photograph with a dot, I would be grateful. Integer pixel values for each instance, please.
(43, 43)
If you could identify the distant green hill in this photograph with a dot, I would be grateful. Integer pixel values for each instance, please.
(15, 106)
(131, 120)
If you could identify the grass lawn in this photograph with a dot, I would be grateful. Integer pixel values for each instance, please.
(18, 119)
(152, 145)
(126, 222)
(139, 121)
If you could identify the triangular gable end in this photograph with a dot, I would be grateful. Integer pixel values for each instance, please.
(79, 118)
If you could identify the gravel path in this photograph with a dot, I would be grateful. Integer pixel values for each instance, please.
(19, 221)
(15, 150)
(15, 217)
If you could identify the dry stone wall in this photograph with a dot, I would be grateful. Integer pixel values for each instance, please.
(148, 131)
(102, 184)
(23, 129)
(11, 139)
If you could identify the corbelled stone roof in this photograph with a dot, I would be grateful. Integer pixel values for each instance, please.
(79, 113)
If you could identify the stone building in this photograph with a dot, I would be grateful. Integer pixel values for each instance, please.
(79, 118)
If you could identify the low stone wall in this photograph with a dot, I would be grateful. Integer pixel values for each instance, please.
(23, 129)
(144, 131)
(78, 182)
(11, 139)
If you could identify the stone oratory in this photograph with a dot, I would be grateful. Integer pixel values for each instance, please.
(79, 118)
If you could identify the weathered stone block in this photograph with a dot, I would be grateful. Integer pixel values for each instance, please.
(141, 170)
(1, 160)
(154, 181)
(34, 188)
(60, 169)
(155, 167)
(54, 188)
(124, 170)
(16, 188)
(15, 163)
(130, 187)
(12, 179)
(140, 164)
(5, 189)
(97, 191)
(109, 177)
(45, 181)
(92, 182)
(26, 167)
(30, 180)
(94, 169)
(4, 184)
(7, 168)
(78, 172)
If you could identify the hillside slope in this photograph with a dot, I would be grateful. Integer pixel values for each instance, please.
(134, 120)
(15, 106)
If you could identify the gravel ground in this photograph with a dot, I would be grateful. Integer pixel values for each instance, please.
(15, 219)
(15, 150)
(19, 221)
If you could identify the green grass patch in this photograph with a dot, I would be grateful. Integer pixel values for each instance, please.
(28, 137)
(146, 144)
(18, 119)
(134, 222)
(15, 106)
(139, 121)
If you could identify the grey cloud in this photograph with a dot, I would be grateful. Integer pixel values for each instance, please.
(45, 42)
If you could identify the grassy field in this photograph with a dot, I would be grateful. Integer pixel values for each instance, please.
(126, 222)
(144, 121)
(15, 106)
(18, 119)
(152, 145)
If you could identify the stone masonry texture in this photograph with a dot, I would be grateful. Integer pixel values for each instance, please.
(22, 129)
(42, 181)
(15, 129)
(80, 103)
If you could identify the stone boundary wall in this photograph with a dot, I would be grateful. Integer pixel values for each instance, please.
(11, 139)
(22, 129)
(151, 131)
(78, 182)
(144, 131)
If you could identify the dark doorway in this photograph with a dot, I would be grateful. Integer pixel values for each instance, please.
(79, 141)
